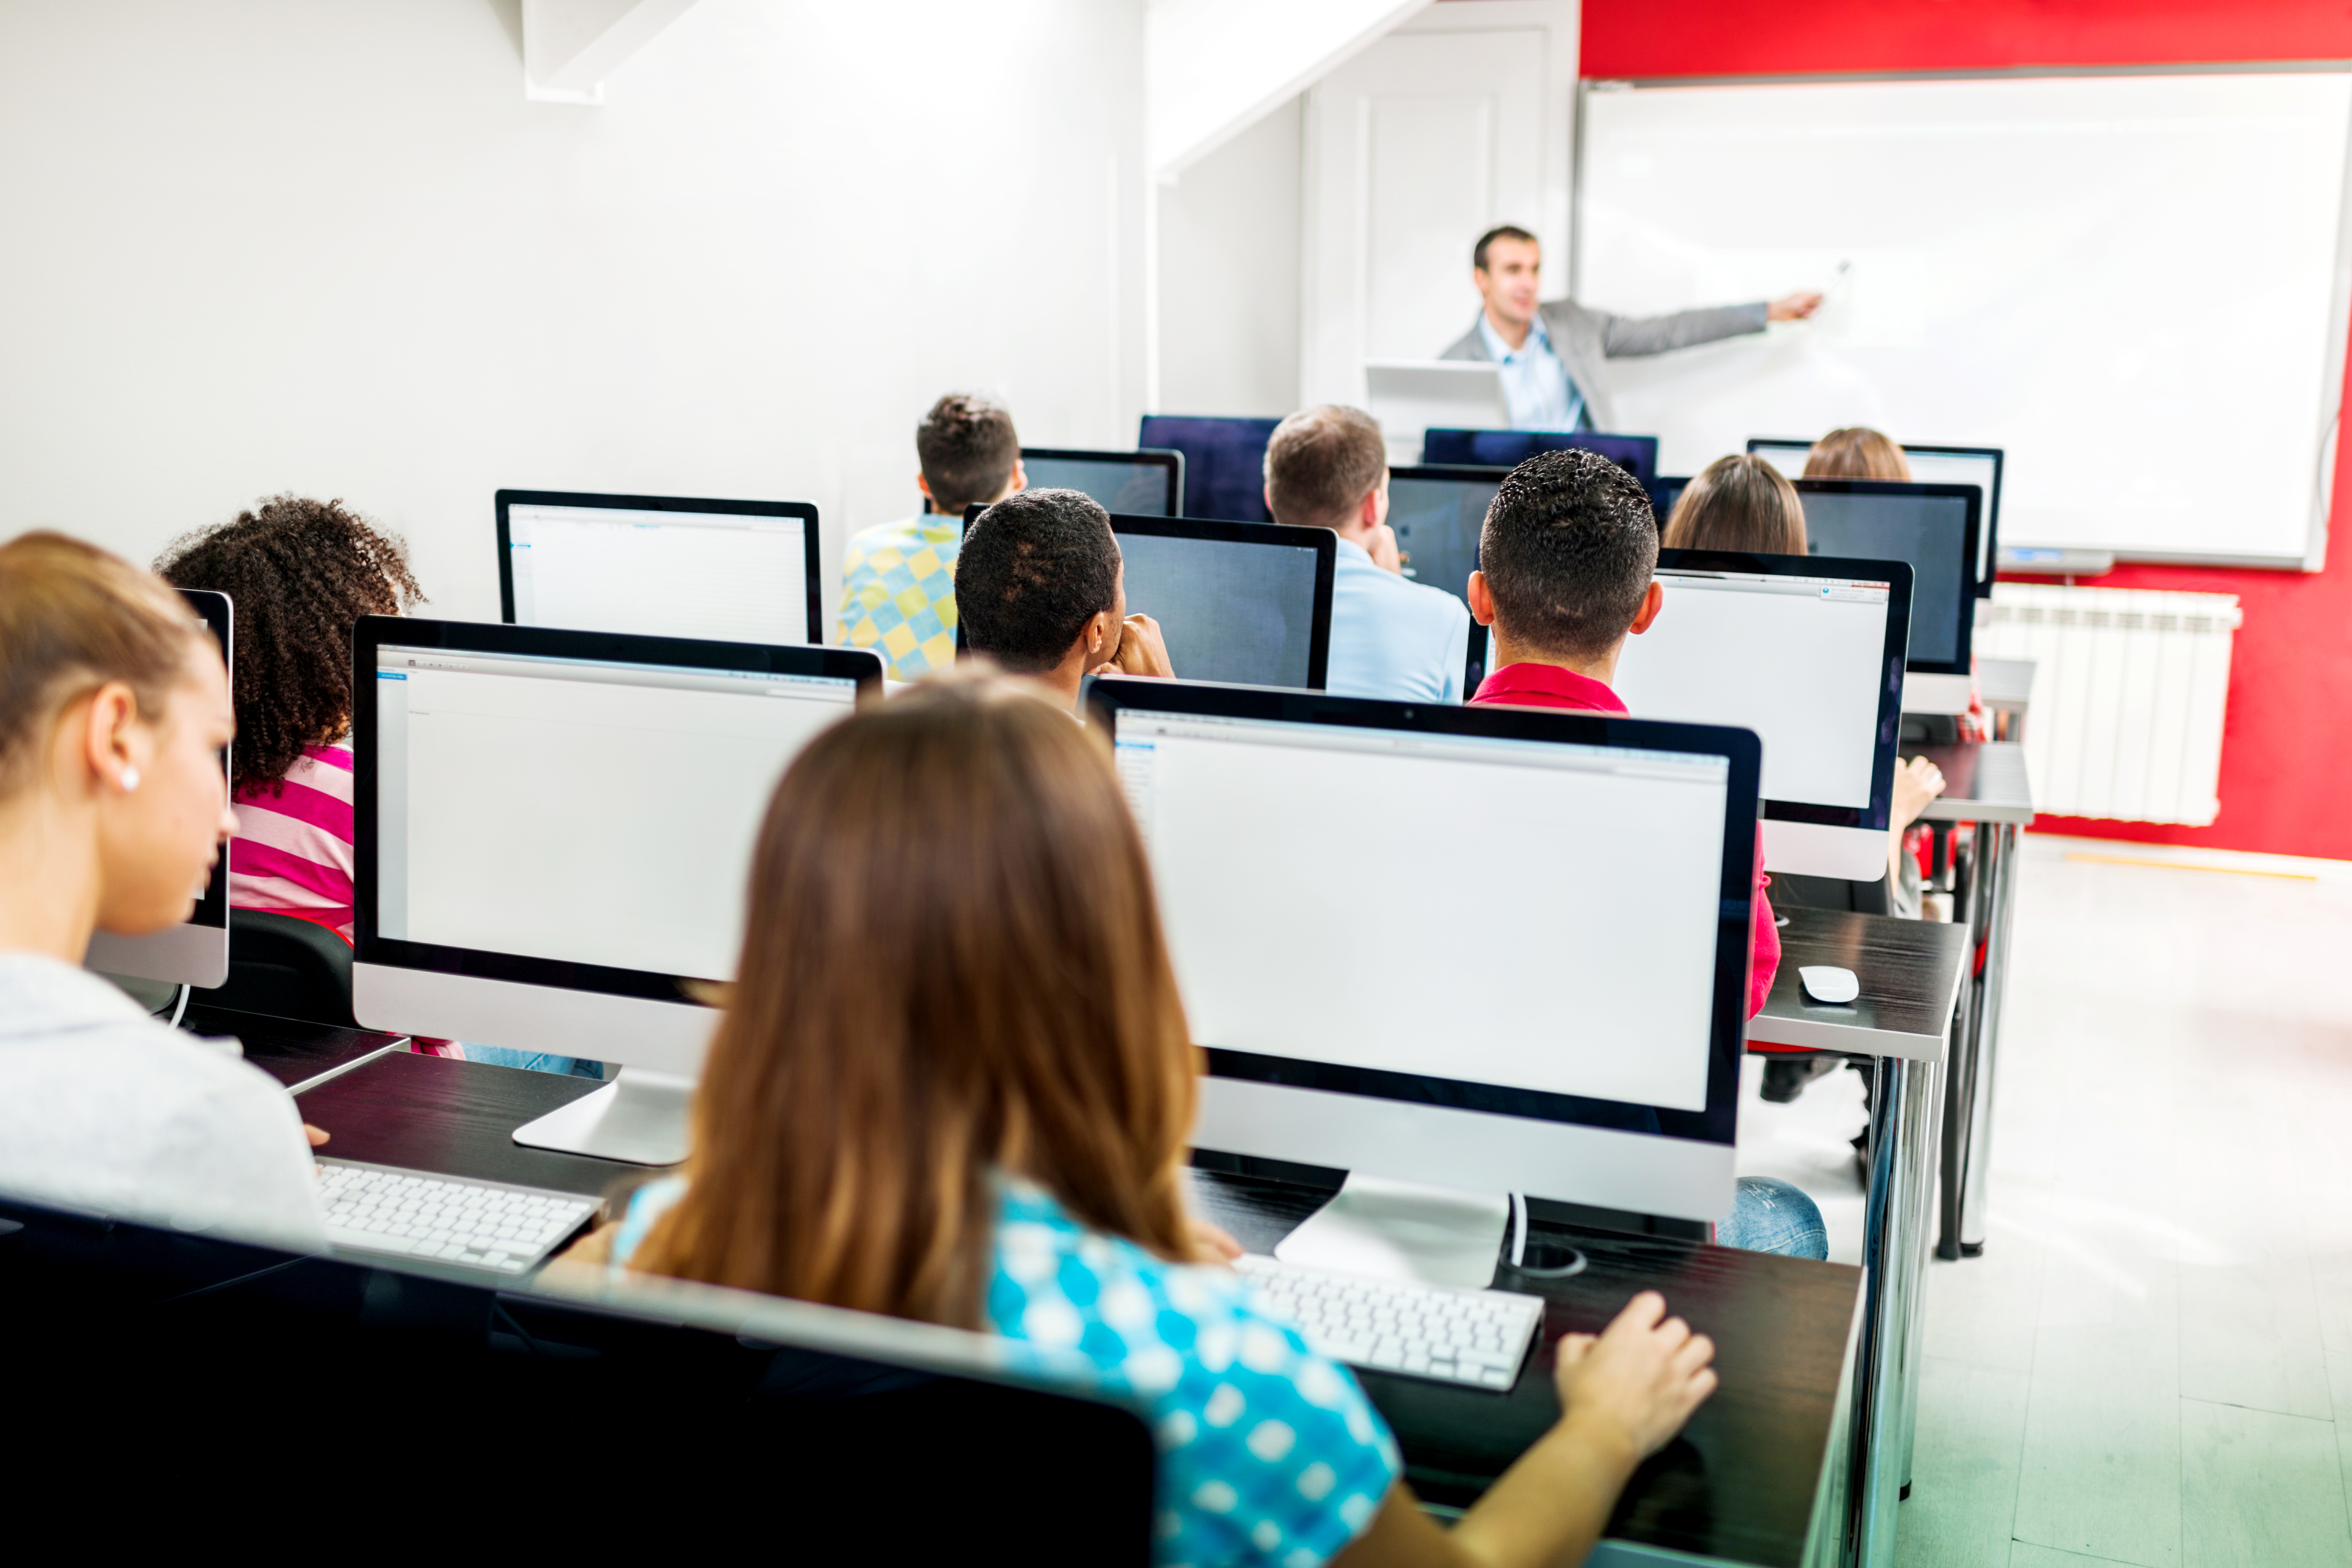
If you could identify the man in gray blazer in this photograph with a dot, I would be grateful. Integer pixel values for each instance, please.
(1552, 352)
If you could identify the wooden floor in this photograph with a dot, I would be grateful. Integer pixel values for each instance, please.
(2147, 1364)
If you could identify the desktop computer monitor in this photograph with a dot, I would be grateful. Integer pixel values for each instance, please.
(1664, 493)
(1224, 462)
(731, 570)
(1143, 484)
(552, 833)
(1243, 602)
(1807, 651)
(1977, 465)
(1637, 455)
(1437, 512)
(1933, 527)
(1480, 948)
(195, 951)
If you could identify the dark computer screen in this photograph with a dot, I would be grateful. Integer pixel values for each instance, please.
(1637, 455)
(1144, 484)
(1235, 602)
(1664, 490)
(1933, 527)
(1436, 513)
(1224, 462)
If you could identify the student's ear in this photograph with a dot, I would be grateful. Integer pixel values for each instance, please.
(1482, 603)
(1020, 478)
(924, 485)
(1268, 492)
(1651, 602)
(1098, 638)
(1375, 510)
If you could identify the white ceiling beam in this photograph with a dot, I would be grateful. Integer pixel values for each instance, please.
(1212, 68)
(570, 46)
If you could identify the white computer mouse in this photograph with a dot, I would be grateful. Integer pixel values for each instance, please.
(1827, 983)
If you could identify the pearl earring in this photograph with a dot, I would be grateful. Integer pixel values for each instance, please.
(129, 780)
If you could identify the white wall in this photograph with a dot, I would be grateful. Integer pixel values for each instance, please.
(263, 245)
(1229, 233)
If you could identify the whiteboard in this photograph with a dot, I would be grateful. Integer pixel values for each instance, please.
(2134, 284)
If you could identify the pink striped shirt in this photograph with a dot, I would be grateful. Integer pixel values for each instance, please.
(292, 854)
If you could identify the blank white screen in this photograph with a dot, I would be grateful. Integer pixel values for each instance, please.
(1509, 913)
(719, 575)
(585, 821)
(1795, 660)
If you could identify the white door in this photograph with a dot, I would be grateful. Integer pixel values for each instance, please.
(1457, 121)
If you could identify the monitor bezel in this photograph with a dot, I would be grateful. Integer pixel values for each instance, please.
(1163, 458)
(1647, 474)
(219, 616)
(1104, 697)
(1988, 547)
(1962, 661)
(1886, 730)
(591, 501)
(375, 632)
(1321, 541)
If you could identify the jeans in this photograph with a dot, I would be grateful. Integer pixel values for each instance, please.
(1773, 1216)
(533, 1061)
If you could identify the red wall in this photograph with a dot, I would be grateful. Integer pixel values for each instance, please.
(2286, 754)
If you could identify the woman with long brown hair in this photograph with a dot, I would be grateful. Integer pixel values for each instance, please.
(953, 1083)
(1740, 503)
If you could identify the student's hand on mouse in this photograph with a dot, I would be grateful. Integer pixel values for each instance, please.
(1213, 1243)
(316, 1135)
(1385, 553)
(1917, 783)
(1142, 650)
(1638, 1380)
(1792, 307)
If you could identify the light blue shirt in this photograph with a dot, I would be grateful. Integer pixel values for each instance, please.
(1394, 637)
(1536, 386)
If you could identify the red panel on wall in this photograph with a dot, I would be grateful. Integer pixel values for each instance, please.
(2287, 747)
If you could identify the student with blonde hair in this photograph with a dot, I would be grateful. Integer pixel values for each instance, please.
(954, 1084)
(114, 707)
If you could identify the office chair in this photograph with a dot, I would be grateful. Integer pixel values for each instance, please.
(286, 967)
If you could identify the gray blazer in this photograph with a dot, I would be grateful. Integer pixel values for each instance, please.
(1584, 337)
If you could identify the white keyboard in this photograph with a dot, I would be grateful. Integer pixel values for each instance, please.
(373, 1208)
(1477, 1337)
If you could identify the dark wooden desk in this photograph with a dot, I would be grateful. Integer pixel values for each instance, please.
(296, 1054)
(1742, 1483)
(1909, 970)
(455, 1118)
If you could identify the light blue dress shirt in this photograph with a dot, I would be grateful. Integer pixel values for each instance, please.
(1536, 386)
(1394, 637)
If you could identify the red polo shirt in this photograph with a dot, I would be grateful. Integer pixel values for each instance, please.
(1549, 686)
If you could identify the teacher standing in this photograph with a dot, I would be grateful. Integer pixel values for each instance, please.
(1552, 351)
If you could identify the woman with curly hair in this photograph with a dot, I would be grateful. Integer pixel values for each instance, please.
(300, 573)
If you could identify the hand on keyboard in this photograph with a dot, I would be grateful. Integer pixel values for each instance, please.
(1640, 1378)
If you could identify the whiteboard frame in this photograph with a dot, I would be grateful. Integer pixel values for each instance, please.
(2340, 309)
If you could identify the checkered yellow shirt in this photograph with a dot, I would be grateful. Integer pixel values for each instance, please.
(898, 594)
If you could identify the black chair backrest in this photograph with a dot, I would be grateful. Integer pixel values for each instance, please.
(286, 967)
(198, 1383)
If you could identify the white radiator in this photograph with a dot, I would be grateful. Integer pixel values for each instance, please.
(2129, 691)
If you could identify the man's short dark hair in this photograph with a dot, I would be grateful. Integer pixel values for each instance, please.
(1568, 548)
(1321, 463)
(1033, 569)
(967, 446)
(1500, 231)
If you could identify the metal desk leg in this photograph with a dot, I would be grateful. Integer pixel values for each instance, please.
(1902, 1126)
(2000, 897)
(1974, 904)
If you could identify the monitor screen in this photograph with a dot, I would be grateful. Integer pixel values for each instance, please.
(1437, 513)
(582, 811)
(1334, 893)
(1144, 484)
(1235, 602)
(1637, 455)
(660, 566)
(1224, 462)
(1933, 527)
(1812, 661)
(1977, 465)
